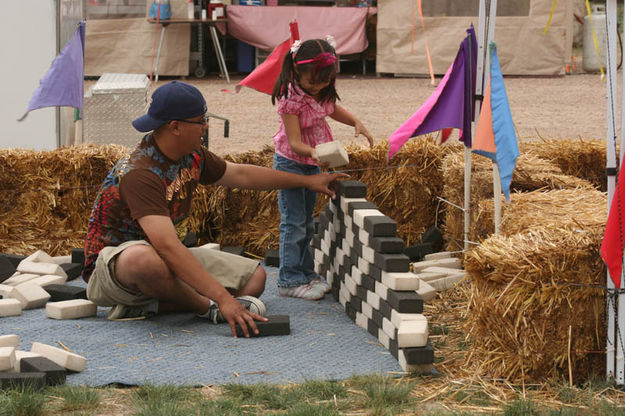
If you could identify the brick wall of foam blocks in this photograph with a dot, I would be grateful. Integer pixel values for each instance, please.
(357, 250)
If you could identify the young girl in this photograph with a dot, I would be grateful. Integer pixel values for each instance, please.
(306, 96)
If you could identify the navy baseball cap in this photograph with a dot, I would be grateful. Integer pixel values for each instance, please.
(173, 101)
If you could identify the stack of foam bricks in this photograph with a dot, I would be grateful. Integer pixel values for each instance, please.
(357, 250)
(32, 282)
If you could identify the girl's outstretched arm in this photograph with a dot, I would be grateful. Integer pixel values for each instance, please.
(343, 116)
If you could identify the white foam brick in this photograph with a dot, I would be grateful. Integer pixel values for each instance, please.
(332, 153)
(412, 334)
(19, 278)
(452, 263)
(22, 354)
(40, 256)
(71, 309)
(7, 358)
(345, 203)
(397, 318)
(400, 281)
(61, 259)
(437, 256)
(446, 282)
(65, 359)
(40, 268)
(31, 295)
(6, 291)
(48, 279)
(360, 214)
(426, 291)
(9, 341)
(10, 307)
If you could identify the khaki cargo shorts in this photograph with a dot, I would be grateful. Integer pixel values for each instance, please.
(232, 271)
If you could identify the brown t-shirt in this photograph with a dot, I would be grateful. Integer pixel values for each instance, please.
(146, 183)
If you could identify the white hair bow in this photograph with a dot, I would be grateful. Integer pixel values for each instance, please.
(295, 46)
(331, 41)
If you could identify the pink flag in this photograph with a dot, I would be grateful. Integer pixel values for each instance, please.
(264, 76)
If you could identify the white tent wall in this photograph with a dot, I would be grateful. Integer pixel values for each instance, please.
(28, 33)
(523, 48)
(33, 32)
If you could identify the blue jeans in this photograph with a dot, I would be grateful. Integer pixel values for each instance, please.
(296, 226)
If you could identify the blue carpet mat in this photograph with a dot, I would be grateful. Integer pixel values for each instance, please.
(181, 349)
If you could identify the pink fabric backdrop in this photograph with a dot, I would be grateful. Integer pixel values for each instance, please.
(265, 27)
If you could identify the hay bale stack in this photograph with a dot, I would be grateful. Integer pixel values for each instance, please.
(407, 190)
(251, 218)
(532, 173)
(583, 158)
(48, 195)
(531, 312)
(581, 207)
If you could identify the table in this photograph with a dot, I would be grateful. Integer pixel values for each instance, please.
(200, 71)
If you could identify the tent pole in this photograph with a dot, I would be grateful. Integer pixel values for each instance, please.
(611, 11)
(479, 88)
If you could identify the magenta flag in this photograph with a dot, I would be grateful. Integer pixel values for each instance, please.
(63, 84)
(450, 105)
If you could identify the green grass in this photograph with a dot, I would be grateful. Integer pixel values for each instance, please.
(76, 397)
(375, 395)
(20, 402)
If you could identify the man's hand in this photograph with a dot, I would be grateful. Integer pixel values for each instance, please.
(235, 313)
(326, 183)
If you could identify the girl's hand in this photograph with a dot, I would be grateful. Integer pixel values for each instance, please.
(361, 129)
(313, 155)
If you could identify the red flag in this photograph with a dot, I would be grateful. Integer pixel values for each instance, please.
(612, 245)
(264, 76)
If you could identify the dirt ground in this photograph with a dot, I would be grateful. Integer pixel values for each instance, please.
(569, 106)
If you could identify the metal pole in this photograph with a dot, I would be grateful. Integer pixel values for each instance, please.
(479, 87)
(611, 174)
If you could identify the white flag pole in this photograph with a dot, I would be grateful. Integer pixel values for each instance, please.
(614, 349)
(492, 16)
(479, 88)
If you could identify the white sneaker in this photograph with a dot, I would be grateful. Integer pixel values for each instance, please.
(250, 303)
(308, 291)
(323, 283)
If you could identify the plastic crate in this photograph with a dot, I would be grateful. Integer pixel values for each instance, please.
(110, 107)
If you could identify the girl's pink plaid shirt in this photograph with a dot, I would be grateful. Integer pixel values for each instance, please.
(312, 123)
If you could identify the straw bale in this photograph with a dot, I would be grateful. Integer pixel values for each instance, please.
(581, 207)
(528, 291)
(583, 158)
(407, 188)
(531, 173)
(405, 191)
(48, 195)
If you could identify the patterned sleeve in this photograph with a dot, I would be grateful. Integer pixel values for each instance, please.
(291, 105)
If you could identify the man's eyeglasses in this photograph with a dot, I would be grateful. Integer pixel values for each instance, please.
(201, 123)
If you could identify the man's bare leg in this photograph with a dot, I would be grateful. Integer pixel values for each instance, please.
(140, 269)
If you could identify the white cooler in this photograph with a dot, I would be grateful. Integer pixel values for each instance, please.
(110, 107)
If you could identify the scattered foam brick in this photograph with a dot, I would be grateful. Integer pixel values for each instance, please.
(65, 359)
(71, 309)
(277, 325)
(55, 374)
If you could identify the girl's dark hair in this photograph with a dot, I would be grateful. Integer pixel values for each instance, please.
(309, 49)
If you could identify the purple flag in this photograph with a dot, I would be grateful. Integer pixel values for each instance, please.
(63, 84)
(450, 105)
